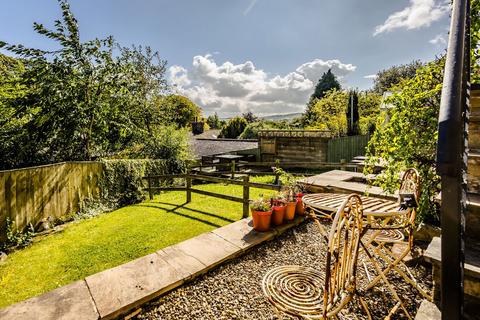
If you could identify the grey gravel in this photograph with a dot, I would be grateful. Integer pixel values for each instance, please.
(233, 290)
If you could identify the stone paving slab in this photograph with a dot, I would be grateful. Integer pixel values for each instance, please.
(243, 235)
(209, 248)
(72, 301)
(183, 263)
(122, 288)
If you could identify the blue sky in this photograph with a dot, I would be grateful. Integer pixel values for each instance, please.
(230, 56)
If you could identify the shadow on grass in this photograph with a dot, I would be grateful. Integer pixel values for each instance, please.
(176, 207)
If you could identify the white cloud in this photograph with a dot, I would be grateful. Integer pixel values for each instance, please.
(232, 88)
(439, 39)
(419, 13)
(370, 76)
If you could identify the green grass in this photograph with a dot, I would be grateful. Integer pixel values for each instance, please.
(89, 246)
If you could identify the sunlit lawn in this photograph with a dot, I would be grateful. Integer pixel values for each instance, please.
(93, 245)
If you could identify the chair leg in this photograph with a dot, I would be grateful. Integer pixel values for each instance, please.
(387, 283)
(393, 265)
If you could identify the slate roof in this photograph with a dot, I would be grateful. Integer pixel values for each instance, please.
(208, 147)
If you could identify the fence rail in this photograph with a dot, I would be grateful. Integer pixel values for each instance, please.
(244, 182)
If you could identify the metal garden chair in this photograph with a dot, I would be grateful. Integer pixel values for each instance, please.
(306, 292)
(388, 228)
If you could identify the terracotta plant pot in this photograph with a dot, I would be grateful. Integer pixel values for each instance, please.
(261, 220)
(299, 209)
(278, 214)
(290, 211)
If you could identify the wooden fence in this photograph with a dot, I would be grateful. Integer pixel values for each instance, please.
(32, 194)
(346, 148)
(245, 183)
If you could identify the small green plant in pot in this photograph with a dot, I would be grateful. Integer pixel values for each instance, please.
(261, 214)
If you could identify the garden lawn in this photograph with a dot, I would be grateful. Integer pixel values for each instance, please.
(90, 246)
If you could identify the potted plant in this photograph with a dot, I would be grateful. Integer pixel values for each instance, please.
(278, 209)
(299, 208)
(291, 205)
(261, 214)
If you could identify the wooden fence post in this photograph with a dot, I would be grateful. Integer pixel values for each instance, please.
(246, 196)
(233, 169)
(277, 176)
(150, 193)
(189, 188)
(342, 164)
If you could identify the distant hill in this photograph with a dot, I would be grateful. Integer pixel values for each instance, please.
(288, 116)
(276, 117)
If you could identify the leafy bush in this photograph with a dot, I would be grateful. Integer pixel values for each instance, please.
(214, 122)
(17, 238)
(122, 181)
(409, 138)
(234, 128)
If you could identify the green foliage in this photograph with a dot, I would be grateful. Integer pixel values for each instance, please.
(369, 110)
(122, 181)
(180, 110)
(17, 238)
(214, 122)
(326, 83)
(352, 114)
(84, 101)
(261, 204)
(329, 113)
(387, 78)
(475, 41)
(234, 128)
(409, 138)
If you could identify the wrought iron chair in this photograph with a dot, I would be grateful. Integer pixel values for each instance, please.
(385, 229)
(298, 290)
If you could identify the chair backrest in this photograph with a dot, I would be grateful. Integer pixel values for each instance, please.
(342, 255)
(410, 184)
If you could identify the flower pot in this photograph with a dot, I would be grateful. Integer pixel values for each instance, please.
(278, 214)
(261, 220)
(290, 211)
(299, 209)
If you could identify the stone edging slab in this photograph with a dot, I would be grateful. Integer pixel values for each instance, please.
(113, 292)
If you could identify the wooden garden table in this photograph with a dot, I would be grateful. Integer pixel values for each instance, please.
(326, 204)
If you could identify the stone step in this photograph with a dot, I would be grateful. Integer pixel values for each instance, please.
(473, 135)
(472, 225)
(428, 311)
(471, 274)
(473, 172)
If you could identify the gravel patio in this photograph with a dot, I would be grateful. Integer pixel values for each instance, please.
(233, 291)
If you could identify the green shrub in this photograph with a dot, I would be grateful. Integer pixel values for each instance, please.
(122, 181)
(234, 128)
(17, 238)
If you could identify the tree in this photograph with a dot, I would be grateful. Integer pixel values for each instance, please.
(409, 138)
(369, 110)
(233, 128)
(328, 113)
(387, 78)
(327, 82)
(352, 114)
(250, 117)
(85, 100)
(214, 122)
(180, 110)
